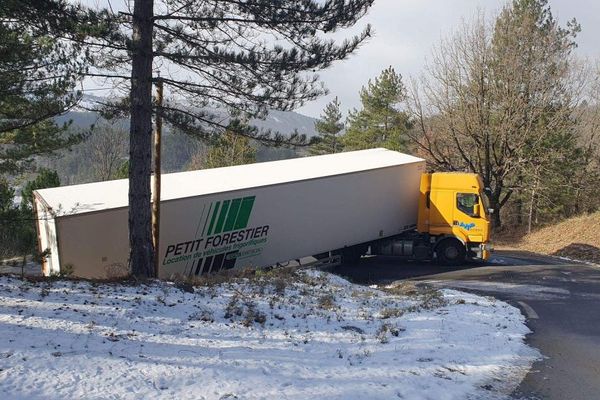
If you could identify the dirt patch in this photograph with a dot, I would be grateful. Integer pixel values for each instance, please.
(580, 251)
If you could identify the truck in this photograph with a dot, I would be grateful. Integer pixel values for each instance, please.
(323, 208)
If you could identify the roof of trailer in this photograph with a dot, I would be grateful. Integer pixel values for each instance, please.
(97, 196)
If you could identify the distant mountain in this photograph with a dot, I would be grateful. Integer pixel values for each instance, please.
(284, 122)
(81, 119)
(73, 166)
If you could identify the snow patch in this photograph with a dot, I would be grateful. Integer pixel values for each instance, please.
(590, 263)
(531, 292)
(307, 335)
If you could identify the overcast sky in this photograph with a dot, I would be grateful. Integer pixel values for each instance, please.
(406, 30)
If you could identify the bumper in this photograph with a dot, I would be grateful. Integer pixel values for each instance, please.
(481, 251)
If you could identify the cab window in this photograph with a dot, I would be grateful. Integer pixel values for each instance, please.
(466, 201)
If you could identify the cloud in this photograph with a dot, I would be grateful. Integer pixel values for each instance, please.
(406, 31)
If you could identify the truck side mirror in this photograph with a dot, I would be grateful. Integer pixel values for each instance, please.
(476, 210)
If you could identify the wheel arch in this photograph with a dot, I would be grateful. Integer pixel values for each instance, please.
(445, 238)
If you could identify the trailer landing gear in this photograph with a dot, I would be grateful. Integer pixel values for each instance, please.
(352, 254)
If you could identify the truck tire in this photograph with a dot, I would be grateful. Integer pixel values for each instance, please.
(450, 252)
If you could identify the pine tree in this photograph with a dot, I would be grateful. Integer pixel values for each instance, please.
(18, 234)
(532, 64)
(224, 150)
(122, 171)
(243, 57)
(10, 224)
(230, 149)
(28, 232)
(39, 70)
(329, 127)
(380, 122)
(45, 179)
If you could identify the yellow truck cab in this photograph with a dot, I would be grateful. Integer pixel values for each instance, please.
(452, 224)
(453, 212)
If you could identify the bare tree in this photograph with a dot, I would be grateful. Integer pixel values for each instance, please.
(496, 96)
(107, 150)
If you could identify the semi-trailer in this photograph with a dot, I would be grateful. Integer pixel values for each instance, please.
(341, 205)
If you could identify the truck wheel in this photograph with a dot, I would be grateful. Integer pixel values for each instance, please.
(450, 252)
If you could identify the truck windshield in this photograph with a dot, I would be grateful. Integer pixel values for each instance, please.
(466, 201)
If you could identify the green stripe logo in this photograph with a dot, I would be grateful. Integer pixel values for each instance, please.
(234, 208)
(229, 215)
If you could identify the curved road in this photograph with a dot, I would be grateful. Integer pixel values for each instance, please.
(561, 300)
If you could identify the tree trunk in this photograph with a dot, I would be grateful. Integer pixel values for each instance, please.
(530, 214)
(496, 221)
(495, 204)
(519, 204)
(140, 142)
(532, 203)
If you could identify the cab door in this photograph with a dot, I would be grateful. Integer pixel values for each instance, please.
(468, 223)
(441, 212)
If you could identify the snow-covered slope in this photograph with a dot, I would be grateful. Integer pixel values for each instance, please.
(303, 335)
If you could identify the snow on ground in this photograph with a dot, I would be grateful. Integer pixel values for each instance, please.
(293, 335)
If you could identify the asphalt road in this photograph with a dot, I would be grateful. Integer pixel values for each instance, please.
(561, 300)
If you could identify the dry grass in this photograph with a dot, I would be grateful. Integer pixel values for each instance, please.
(391, 312)
(327, 302)
(509, 238)
(279, 277)
(427, 296)
(403, 289)
(384, 330)
(577, 238)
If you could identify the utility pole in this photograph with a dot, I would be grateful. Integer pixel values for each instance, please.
(157, 173)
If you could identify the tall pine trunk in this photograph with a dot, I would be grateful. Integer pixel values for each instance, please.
(140, 142)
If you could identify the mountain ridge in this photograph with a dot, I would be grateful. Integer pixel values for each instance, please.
(284, 122)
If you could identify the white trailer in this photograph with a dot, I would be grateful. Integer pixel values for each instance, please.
(251, 215)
